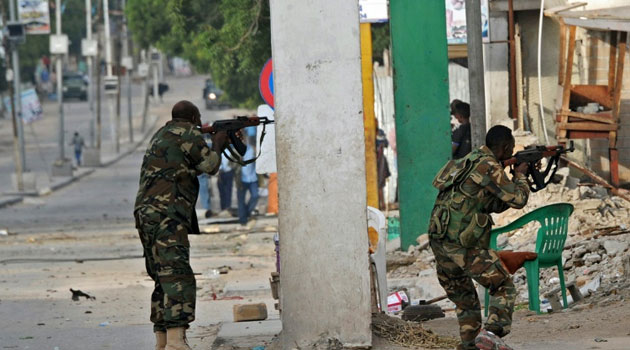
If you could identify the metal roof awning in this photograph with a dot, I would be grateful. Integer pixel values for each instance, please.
(614, 18)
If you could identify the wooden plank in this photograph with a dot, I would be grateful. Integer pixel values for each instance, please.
(553, 12)
(614, 166)
(562, 52)
(588, 135)
(588, 126)
(611, 62)
(566, 93)
(599, 24)
(584, 94)
(457, 51)
(604, 117)
(521, 5)
(621, 49)
(612, 139)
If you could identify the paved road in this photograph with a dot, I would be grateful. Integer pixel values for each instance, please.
(106, 197)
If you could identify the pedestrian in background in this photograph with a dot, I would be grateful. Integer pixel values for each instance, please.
(247, 181)
(205, 193)
(461, 139)
(78, 143)
(226, 179)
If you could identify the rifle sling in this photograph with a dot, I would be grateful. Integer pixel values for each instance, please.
(236, 158)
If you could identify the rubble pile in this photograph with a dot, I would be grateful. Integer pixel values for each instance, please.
(597, 241)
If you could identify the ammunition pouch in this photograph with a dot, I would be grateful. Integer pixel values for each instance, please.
(477, 233)
(438, 226)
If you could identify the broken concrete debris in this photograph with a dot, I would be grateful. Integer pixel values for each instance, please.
(596, 249)
(249, 312)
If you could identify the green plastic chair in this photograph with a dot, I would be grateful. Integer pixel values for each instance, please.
(554, 223)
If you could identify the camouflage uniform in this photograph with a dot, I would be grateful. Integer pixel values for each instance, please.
(470, 189)
(165, 215)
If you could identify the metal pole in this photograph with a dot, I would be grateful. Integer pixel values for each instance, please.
(17, 90)
(127, 75)
(88, 25)
(108, 60)
(476, 82)
(58, 59)
(16, 144)
(155, 81)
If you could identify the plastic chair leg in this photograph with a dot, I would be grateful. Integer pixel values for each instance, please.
(532, 285)
(562, 285)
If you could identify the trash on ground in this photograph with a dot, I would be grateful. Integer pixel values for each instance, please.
(103, 324)
(76, 294)
(397, 301)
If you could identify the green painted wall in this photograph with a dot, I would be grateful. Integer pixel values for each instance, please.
(423, 134)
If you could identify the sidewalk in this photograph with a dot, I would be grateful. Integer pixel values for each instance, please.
(42, 148)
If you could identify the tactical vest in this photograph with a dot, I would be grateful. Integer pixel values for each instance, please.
(457, 215)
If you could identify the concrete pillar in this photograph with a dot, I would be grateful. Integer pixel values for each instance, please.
(321, 173)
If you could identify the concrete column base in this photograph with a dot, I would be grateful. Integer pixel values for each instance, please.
(29, 182)
(91, 157)
(62, 168)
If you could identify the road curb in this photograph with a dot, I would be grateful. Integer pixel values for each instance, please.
(5, 202)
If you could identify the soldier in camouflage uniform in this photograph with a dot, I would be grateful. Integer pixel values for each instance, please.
(470, 189)
(165, 215)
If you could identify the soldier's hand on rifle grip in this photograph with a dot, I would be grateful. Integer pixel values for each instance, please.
(521, 168)
(220, 141)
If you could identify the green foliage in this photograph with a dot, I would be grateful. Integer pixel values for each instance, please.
(230, 39)
(380, 40)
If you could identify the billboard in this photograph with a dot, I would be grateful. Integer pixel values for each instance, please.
(31, 108)
(456, 21)
(35, 16)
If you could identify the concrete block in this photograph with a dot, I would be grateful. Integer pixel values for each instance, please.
(29, 182)
(92, 157)
(249, 312)
(62, 168)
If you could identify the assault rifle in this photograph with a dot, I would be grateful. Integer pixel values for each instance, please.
(232, 126)
(532, 156)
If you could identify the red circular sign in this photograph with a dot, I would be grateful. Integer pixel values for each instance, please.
(265, 83)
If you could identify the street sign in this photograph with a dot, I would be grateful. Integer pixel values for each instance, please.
(155, 57)
(15, 31)
(59, 44)
(265, 83)
(127, 62)
(111, 85)
(143, 70)
(89, 47)
(373, 11)
(35, 16)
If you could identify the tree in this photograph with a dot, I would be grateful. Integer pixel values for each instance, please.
(230, 39)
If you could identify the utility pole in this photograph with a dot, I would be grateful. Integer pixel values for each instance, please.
(62, 166)
(88, 27)
(476, 82)
(17, 90)
(154, 64)
(128, 66)
(99, 124)
(19, 181)
(109, 78)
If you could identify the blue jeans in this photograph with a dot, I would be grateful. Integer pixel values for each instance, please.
(226, 179)
(204, 191)
(245, 209)
(77, 156)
